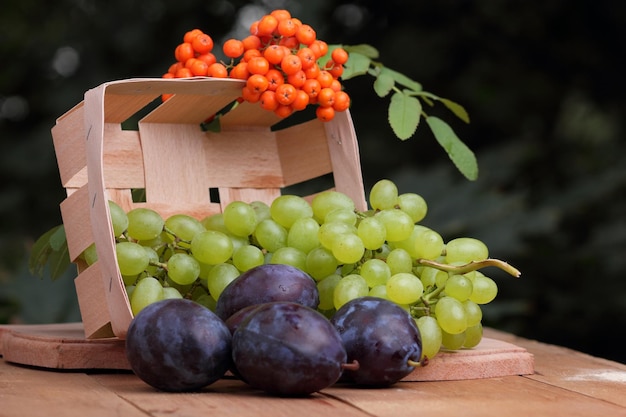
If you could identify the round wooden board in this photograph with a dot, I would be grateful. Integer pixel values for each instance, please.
(63, 346)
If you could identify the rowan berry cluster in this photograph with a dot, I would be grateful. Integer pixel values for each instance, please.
(285, 66)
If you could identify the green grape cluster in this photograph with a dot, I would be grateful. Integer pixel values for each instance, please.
(383, 252)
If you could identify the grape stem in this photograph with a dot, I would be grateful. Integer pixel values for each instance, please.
(472, 266)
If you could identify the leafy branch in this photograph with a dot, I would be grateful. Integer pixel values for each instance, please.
(407, 102)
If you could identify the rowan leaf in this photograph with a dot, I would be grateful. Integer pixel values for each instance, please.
(456, 108)
(50, 250)
(357, 64)
(363, 49)
(383, 83)
(404, 114)
(462, 156)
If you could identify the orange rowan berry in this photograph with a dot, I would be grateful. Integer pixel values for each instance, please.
(199, 68)
(312, 72)
(291, 64)
(325, 114)
(249, 95)
(342, 101)
(258, 65)
(307, 57)
(290, 42)
(267, 25)
(268, 100)
(240, 71)
(281, 14)
(183, 73)
(191, 35)
(257, 83)
(301, 100)
(209, 58)
(285, 94)
(251, 53)
(312, 87)
(326, 97)
(283, 111)
(217, 70)
(325, 78)
(287, 27)
(251, 42)
(183, 52)
(297, 79)
(319, 48)
(233, 48)
(175, 67)
(336, 70)
(168, 75)
(339, 55)
(165, 97)
(275, 78)
(306, 34)
(254, 28)
(274, 54)
(202, 43)
(335, 85)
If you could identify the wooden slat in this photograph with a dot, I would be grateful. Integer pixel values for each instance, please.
(266, 195)
(193, 109)
(247, 116)
(76, 221)
(93, 302)
(68, 137)
(120, 107)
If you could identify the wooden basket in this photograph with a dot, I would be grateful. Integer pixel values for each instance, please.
(178, 164)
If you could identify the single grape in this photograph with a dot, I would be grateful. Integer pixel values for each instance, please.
(144, 223)
(381, 336)
(177, 345)
(429, 276)
(404, 288)
(265, 283)
(379, 291)
(219, 277)
(466, 249)
(414, 205)
(247, 257)
(90, 255)
(289, 256)
(372, 232)
(147, 291)
(183, 269)
(132, 259)
(431, 336)
(398, 224)
(327, 201)
(286, 209)
(326, 289)
(459, 287)
(270, 235)
(375, 272)
(484, 289)
(428, 244)
(399, 260)
(184, 227)
(473, 312)
(348, 249)
(383, 195)
(211, 247)
(341, 214)
(240, 218)
(350, 287)
(329, 233)
(261, 209)
(171, 292)
(451, 315)
(119, 219)
(287, 349)
(215, 222)
(473, 336)
(303, 234)
(452, 341)
(320, 263)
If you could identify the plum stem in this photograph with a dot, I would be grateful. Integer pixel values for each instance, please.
(352, 366)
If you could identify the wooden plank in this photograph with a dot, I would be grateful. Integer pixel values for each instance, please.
(76, 221)
(68, 137)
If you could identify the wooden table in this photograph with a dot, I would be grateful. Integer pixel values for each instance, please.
(565, 383)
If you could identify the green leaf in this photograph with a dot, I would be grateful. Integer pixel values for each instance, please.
(404, 114)
(58, 239)
(357, 64)
(456, 108)
(459, 153)
(363, 49)
(50, 249)
(383, 83)
(59, 262)
(404, 80)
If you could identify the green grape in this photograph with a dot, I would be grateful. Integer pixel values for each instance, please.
(404, 288)
(431, 336)
(119, 218)
(326, 289)
(286, 209)
(184, 227)
(144, 223)
(341, 214)
(303, 234)
(129, 290)
(459, 287)
(158, 241)
(270, 235)
(452, 341)
(219, 277)
(473, 336)
(147, 291)
(473, 312)
(211, 247)
(153, 260)
(171, 292)
(247, 257)
(261, 209)
(289, 256)
(350, 287)
(399, 260)
(321, 263)
(379, 291)
(466, 249)
(372, 232)
(430, 275)
(329, 233)
(441, 279)
(239, 218)
(204, 270)
(90, 255)
(451, 315)
(428, 244)
(398, 224)
(375, 272)
(206, 300)
(414, 205)
(132, 279)
(327, 201)
(484, 289)
(383, 195)
(348, 249)
(238, 241)
(183, 269)
(215, 222)
(132, 258)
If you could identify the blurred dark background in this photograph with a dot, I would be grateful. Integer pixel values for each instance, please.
(543, 83)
